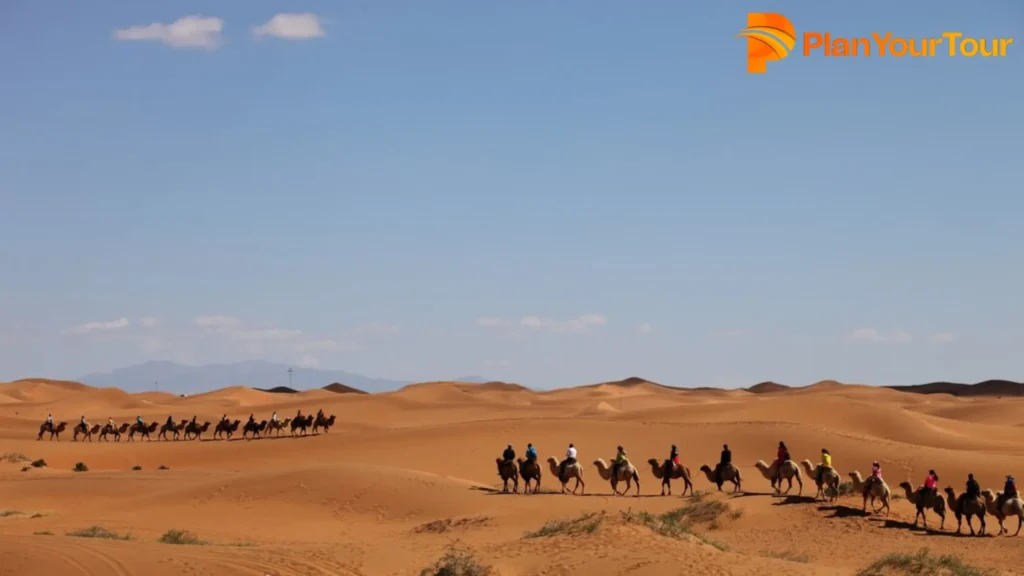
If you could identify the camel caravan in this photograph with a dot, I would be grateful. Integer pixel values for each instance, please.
(974, 503)
(186, 429)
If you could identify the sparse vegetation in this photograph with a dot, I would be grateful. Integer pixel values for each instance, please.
(181, 537)
(846, 488)
(441, 526)
(162, 467)
(39, 463)
(457, 562)
(43, 533)
(788, 555)
(136, 468)
(14, 457)
(667, 524)
(80, 467)
(587, 523)
(7, 513)
(26, 468)
(921, 564)
(99, 532)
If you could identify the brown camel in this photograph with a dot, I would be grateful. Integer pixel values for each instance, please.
(255, 428)
(677, 472)
(626, 473)
(507, 470)
(86, 432)
(934, 501)
(53, 430)
(727, 473)
(173, 428)
(277, 426)
(302, 424)
(113, 430)
(962, 506)
(828, 488)
(143, 431)
(1010, 507)
(326, 423)
(195, 430)
(879, 489)
(226, 428)
(573, 470)
(776, 474)
(529, 470)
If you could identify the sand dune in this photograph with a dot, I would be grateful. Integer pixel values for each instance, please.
(404, 475)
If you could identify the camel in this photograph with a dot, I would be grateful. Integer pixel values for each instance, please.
(86, 432)
(962, 507)
(529, 470)
(114, 430)
(1010, 507)
(303, 423)
(225, 427)
(658, 469)
(278, 426)
(729, 473)
(53, 430)
(196, 430)
(935, 502)
(879, 490)
(326, 423)
(626, 473)
(573, 470)
(143, 431)
(255, 428)
(828, 488)
(508, 471)
(776, 474)
(171, 427)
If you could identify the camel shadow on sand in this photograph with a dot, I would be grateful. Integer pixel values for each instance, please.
(922, 531)
(240, 439)
(840, 511)
(498, 492)
(795, 500)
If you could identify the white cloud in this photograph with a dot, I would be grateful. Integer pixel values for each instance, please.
(216, 321)
(149, 321)
(308, 361)
(578, 324)
(645, 328)
(188, 32)
(873, 335)
(942, 337)
(377, 328)
(96, 326)
(264, 334)
(291, 27)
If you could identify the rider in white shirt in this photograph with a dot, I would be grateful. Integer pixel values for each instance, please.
(570, 458)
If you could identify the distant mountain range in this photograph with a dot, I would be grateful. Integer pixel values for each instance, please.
(184, 379)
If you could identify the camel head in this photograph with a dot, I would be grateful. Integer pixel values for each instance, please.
(906, 486)
(855, 476)
(498, 460)
(705, 468)
(988, 494)
(654, 462)
(760, 465)
(600, 464)
(948, 490)
(519, 461)
(552, 460)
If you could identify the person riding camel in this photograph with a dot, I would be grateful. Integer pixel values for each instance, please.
(930, 487)
(826, 463)
(781, 456)
(273, 417)
(724, 461)
(618, 462)
(531, 453)
(170, 421)
(193, 422)
(140, 423)
(110, 421)
(252, 421)
(49, 421)
(1009, 491)
(298, 415)
(570, 458)
(83, 424)
(673, 461)
(224, 419)
(876, 476)
(507, 456)
(320, 415)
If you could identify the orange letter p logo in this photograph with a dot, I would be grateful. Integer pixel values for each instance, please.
(769, 37)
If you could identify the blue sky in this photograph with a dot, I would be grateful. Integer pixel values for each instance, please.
(546, 192)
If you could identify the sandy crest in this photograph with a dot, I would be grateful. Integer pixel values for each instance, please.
(404, 475)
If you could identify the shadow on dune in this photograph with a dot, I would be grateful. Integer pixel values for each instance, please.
(240, 439)
(920, 530)
(497, 492)
(748, 494)
(795, 500)
(840, 511)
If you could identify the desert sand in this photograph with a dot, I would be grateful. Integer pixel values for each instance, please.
(404, 476)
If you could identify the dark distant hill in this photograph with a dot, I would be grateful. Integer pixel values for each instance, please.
(340, 388)
(767, 387)
(986, 388)
(279, 390)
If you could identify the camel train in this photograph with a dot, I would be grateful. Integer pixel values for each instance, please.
(826, 478)
(190, 429)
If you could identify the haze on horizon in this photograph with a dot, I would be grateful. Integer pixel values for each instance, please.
(594, 191)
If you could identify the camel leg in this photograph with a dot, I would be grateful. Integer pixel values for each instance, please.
(1020, 521)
